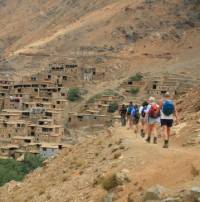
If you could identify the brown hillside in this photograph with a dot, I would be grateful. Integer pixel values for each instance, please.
(122, 35)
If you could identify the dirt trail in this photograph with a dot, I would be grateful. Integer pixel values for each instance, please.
(171, 168)
(91, 18)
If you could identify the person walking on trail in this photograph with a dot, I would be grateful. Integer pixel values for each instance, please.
(129, 109)
(122, 113)
(168, 112)
(142, 112)
(135, 116)
(152, 117)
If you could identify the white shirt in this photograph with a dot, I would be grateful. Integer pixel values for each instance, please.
(140, 109)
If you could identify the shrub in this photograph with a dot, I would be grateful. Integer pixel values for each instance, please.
(134, 91)
(110, 182)
(10, 169)
(31, 162)
(73, 94)
(112, 107)
(107, 92)
(136, 77)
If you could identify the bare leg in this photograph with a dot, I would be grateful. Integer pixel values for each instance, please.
(155, 128)
(150, 128)
(166, 132)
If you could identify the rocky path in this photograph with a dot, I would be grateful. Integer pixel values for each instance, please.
(173, 168)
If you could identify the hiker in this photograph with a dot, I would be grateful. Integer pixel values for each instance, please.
(142, 112)
(152, 118)
(168, 112)
(135, 116)
(129, 109)
(122, 113)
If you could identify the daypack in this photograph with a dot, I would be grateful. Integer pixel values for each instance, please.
(123, 111)
(129, 110)
(143, 111)
(168, 107)
(154, 111)
(135, 113)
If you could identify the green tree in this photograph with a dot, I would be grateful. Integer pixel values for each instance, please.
(134, 91)
(136, 77)
(113, 107)
(73, 94)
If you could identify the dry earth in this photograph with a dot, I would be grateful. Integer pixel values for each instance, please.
(120, 37)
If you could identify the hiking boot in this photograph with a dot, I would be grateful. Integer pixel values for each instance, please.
(148, 139)
(166, 144)
(142, 134)
(155, 140)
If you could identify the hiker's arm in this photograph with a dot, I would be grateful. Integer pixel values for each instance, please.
(160, 104)
(176, 114)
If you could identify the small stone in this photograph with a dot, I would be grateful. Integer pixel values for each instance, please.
(172, 200)
(117, 155)
(154, 193)
(115, 149)
(110, 198)
(123, 176)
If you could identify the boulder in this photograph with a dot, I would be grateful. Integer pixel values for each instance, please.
(154, 193)
(195, 193)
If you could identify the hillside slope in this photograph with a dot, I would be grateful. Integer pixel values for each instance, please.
(112, 35)
(76, 174)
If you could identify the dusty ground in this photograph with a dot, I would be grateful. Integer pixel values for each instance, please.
(127, 36)
(71, 176)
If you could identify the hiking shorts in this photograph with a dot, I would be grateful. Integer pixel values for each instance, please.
(167, 122)
(135, 121)
(152, 121)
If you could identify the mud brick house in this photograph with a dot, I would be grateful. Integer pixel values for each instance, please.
(13, 102)
(48, 91)
(30, 87)
(49, 133)
(87, 74)
(48, 150)
(6, 85)
(133, 84)
(32, 147)
(21, 140)
(8, 129)
(31, 129)
(1, 103)
(55, 114)
(10, 115)
(8, 150)
(3, 94)
(60, 104)
(80, 120)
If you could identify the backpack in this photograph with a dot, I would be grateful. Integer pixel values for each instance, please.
(135, 113)
(129, 110)
(143, 111)
(123, 111)
(154, 111)
(168, 107)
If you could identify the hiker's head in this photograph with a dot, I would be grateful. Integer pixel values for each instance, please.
(131, 103)
(145, 103)
(167, 95)
(123, 106)
(151, 100)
